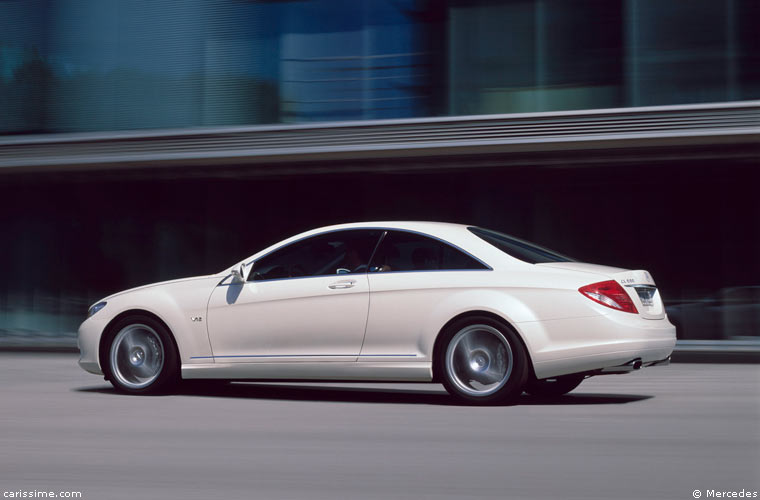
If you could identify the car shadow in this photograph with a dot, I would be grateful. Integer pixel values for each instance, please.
(314, 393)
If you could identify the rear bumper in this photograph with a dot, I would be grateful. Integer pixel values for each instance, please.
(632, 365)
(616, 343)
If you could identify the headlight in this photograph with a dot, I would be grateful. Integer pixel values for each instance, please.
(95, 308)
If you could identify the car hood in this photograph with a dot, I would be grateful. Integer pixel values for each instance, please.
(160, 283)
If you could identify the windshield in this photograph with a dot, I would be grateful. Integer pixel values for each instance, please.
(519, 249)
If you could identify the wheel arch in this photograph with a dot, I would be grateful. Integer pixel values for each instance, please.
(109, 333)
(438, 344)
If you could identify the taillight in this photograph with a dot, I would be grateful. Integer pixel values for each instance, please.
(610, 294)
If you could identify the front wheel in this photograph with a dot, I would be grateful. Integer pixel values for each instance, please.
(483, 361)
(556, 386)
(141, 357)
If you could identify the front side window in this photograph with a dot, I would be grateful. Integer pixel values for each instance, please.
(337, 252)
(402, 251)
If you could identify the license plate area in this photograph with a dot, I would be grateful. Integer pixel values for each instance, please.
(646, 294)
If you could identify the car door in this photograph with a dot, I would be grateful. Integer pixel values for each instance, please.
(411, 274)
(306, 301)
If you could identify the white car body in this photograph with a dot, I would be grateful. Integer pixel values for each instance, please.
(384, 327)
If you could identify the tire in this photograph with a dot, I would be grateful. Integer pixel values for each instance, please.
(141, 357)
(556, 386)
(481, 361)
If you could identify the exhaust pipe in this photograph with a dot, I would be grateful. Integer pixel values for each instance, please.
(634, 364)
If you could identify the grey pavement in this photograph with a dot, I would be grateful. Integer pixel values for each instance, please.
(659, 433)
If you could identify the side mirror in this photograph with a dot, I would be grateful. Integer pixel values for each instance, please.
(238, 274)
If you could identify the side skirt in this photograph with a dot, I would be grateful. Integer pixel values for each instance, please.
(419, 371)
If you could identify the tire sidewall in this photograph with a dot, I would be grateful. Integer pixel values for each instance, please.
(169, 375)
(514, 385)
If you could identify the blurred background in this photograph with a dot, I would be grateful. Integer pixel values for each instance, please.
(149, 140)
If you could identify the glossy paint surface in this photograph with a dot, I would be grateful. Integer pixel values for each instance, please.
(384, 325)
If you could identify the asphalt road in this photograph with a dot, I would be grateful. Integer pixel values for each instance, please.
(658, 433)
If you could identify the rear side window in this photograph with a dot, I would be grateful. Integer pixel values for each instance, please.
(519, 249)
(402, 251)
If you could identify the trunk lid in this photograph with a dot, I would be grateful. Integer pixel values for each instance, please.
(642, 289)
(639, 285)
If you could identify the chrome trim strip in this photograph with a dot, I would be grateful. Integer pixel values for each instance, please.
(382, 236)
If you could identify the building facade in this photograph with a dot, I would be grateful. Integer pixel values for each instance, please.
(147, 140)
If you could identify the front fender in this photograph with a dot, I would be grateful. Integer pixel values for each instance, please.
(180, 305)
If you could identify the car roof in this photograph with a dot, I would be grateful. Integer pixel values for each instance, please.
(452, 233)
(422, 226)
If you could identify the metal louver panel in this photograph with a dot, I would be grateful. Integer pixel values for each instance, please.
(703, 124)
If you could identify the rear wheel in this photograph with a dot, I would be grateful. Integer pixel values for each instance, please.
(556, 386)
(141, 357)
(483, 361)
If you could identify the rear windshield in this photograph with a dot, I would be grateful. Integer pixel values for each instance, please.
(519, 249)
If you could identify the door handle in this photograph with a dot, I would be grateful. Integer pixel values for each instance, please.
(341, 285)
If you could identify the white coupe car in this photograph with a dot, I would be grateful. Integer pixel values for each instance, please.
(486, 314)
